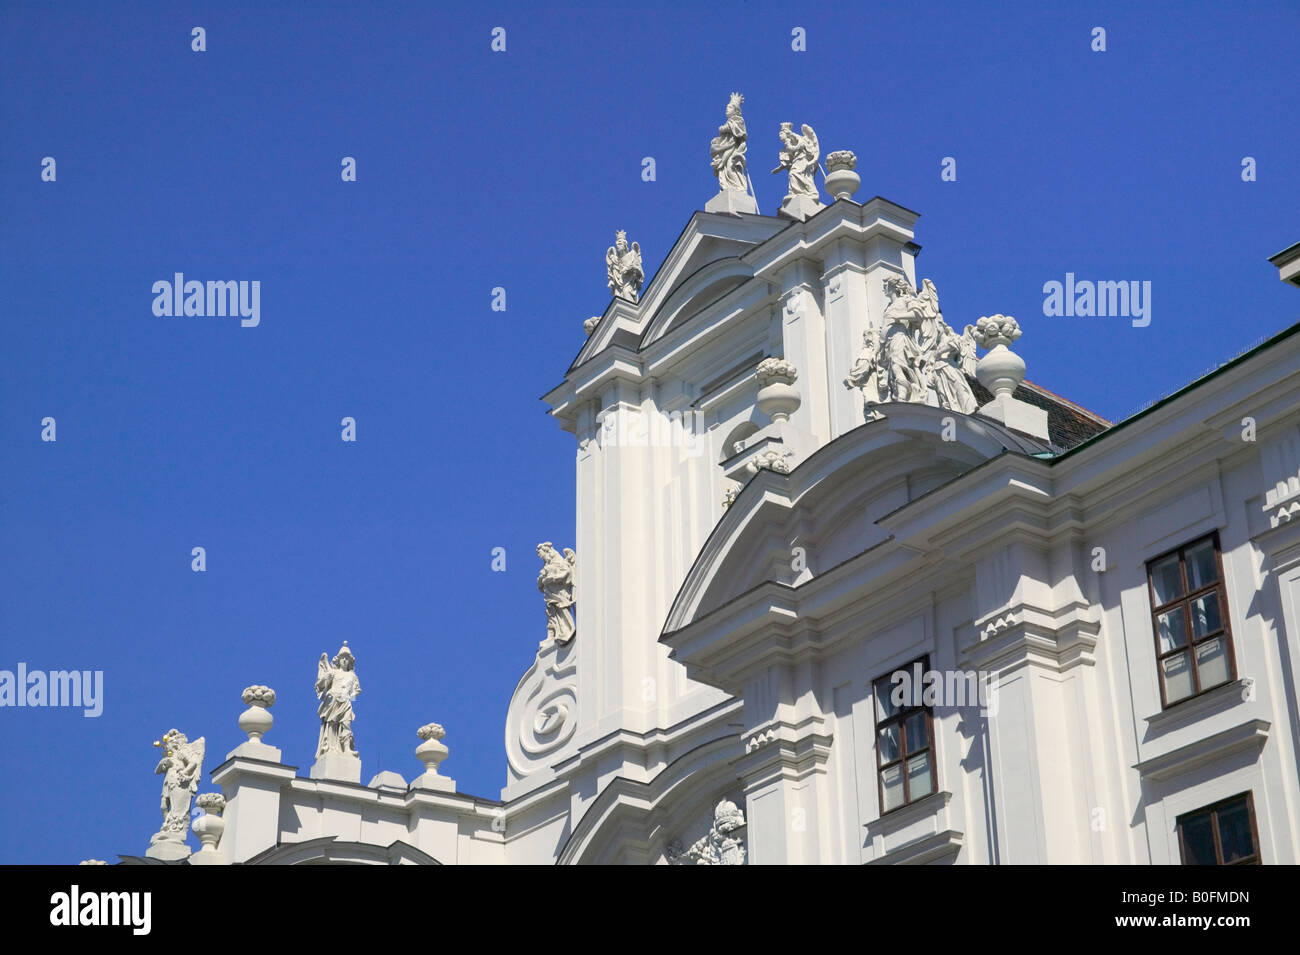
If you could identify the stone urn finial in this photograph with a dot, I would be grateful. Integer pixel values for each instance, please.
(432, 751)
(257, 719)
(209, 828)
(842, 179)
(777, 396)
(1000, 370)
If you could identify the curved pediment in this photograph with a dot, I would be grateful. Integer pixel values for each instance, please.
(831, 503)
(697, 292)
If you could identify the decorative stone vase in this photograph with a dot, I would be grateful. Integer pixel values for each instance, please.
(842, 180)
(209, 828)
(431, 752)
(777, 396)
(257, 719)
(1000, 370)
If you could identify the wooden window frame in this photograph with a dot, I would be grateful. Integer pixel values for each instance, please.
(1213, 811)
(1220, 589)
(900, 719)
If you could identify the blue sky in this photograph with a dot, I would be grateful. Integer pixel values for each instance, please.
(476, 170)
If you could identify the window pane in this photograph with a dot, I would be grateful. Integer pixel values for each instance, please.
(1171, 628)
(916, 735)
(1205, 615)
(918, 776)
(1178, 677)
(885, 707)
(889, 744)
(1201, 566)
(1166, 580)
(1234, 832)
(1198, 841)
(892, 782)
(1212, 662)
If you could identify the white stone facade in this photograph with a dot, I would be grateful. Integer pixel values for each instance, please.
(750, 564)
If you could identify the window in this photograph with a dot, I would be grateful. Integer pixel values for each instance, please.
(1222, 834)
(904, 737)
(1189, 610)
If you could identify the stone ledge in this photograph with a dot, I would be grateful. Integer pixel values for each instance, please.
(927, 850)
(1193, 708)
(1249, 735)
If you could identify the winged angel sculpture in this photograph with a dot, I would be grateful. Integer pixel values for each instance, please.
(181, 766)
(623, 263)
(799, 155)
(336, 687)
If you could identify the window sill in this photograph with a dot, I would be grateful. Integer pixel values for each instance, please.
(903, 816)
(1194, 707)
(1247, 738)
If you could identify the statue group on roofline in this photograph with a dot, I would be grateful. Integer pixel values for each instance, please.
(917, 357)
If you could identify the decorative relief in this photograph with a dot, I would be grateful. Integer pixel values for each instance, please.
(544, 709)
(998, 625)
(724, 844)
(770, 460)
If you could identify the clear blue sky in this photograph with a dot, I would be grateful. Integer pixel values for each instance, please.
(478, 170)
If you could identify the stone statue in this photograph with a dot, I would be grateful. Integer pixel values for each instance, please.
(798, 156)
(870, 375)
(727, 150)
(556, 583)
(181, 766)
(336, 687)
(623, 263)
(724, 844)
(921, 359)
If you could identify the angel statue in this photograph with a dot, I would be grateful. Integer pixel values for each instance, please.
(727, 150)
(336, 687)
(624, 267)
(799, 155)
(181, 766)
(556, 582)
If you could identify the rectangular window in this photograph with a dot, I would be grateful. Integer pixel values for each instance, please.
(1189, 611)
(904, 737)
(1222, 834)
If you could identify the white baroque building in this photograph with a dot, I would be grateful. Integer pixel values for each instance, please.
(794, 481)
